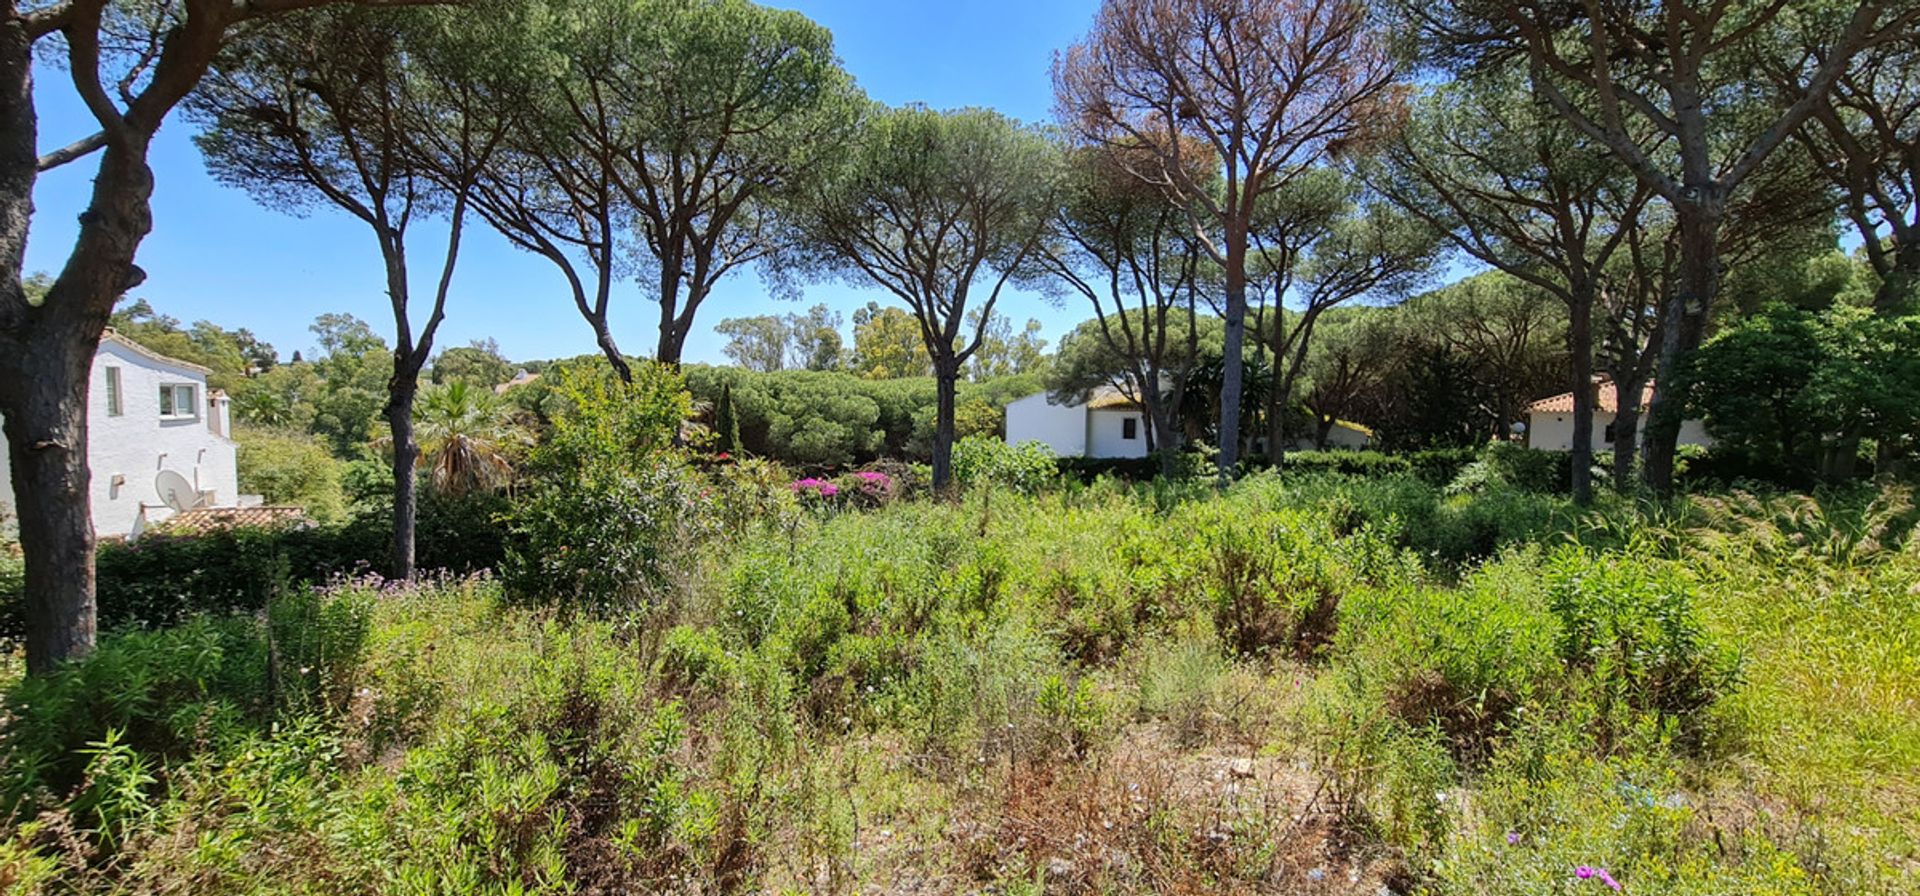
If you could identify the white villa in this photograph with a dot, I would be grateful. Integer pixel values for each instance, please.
(1109, 424)
(1550, 421)
(157, 441)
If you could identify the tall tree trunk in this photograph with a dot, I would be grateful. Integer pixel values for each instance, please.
(603, 337)
(46, 358)
(947, 378)
(1686, 327)
(44, 401)
(1232, 366)
(406, 454)
(1580, 345)
(1626, 429)
(1277, 397)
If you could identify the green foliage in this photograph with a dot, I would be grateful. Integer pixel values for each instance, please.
(988, 461)
(352, 374)
(726, 422)
(1101, 664)
(1635, 630)
(611, 541)
(835, 419)
(1787, 384)
(479, 365)
(286, 467)
(145, 696)
(615, 505)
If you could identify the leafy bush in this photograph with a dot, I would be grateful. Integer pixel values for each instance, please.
(1459, 661)
(195, 686)
(985, 460)
(615, 508)
(607, 542)
(162, 579)
(1633, 627)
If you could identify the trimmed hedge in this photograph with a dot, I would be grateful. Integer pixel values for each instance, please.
(1438, 466)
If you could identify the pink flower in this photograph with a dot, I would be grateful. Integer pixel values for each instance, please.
(818, 487)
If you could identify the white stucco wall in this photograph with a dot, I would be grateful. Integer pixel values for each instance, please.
(1554, 431)
(126, 452)
(1036, 419)
(1346, 437)
(1106, 433)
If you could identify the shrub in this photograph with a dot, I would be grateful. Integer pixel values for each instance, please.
(615, 506)
(1455, 660)
(1272, 580)
(605, 542)
(165, 694)
(985, 460)
(162, 579)
(1632, 626)
(869, 488)
(752, 492)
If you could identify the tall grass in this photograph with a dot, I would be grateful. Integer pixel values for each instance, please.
(1309, 684)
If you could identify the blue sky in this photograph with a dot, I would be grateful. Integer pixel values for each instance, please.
(215, 254)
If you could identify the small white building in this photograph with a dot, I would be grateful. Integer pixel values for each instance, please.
(1109, 424)
(1343, 435)
(158, 441)
(1550, 421)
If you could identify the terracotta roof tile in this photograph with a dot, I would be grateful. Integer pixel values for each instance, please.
(1608, 402)
(202, 520)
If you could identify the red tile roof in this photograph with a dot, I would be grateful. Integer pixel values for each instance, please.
(1609, 402)
(201, 520)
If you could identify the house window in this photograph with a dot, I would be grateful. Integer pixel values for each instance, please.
(1129, 428)
(114, 406)
(177, 401)
(1608, 435)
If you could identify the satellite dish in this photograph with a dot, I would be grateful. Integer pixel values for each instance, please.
(175, 490)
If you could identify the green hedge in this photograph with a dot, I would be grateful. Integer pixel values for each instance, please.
(160, 580)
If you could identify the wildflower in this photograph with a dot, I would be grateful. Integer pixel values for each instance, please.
(1513, 838)
(1589, 872)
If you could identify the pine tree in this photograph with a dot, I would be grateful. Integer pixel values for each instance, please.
(726, 422)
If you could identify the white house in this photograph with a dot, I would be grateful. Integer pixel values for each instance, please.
(158, 440)
(1109, 424)
(1343, 435)
(1550, 421)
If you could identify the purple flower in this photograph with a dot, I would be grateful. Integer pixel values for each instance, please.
(1513, 838)
(1588, 872)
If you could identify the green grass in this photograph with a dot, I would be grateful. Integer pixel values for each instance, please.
(1315, 684)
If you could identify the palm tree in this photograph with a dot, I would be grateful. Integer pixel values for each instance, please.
(467, 437)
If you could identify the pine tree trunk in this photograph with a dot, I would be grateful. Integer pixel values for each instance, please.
(947, 377)
(603, 337)
(1626, 431)
(1686, 327)
(1277, 398)
(1580, 344)
(406, 454)
(1900, 288)
(46, 358)
(44, 402)
(1232, 368)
